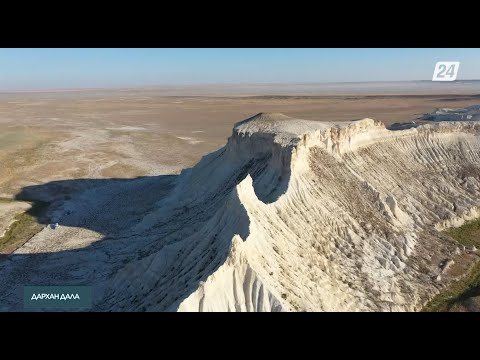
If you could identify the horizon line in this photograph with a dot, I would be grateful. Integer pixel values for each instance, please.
(133, 87)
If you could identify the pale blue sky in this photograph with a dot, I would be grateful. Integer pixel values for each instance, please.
(76, 68)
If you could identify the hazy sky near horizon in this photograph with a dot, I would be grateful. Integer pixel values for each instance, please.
(76, 68)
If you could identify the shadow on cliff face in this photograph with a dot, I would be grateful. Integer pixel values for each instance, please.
(135, 230)
(268, 185)
(269, 181)
(112, 208)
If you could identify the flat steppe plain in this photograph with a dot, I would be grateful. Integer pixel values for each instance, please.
(127, 133)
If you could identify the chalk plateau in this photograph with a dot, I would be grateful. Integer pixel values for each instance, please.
(297, 215)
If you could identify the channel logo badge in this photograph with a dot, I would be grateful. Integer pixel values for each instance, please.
(446, 71)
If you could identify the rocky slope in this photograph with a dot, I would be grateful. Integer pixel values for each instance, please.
(445, 114)
(296, 215)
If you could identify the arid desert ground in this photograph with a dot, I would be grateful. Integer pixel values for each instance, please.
(55, 144)
(51, 136)
(123, 134)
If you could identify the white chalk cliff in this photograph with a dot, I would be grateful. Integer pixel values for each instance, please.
(296, 215)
